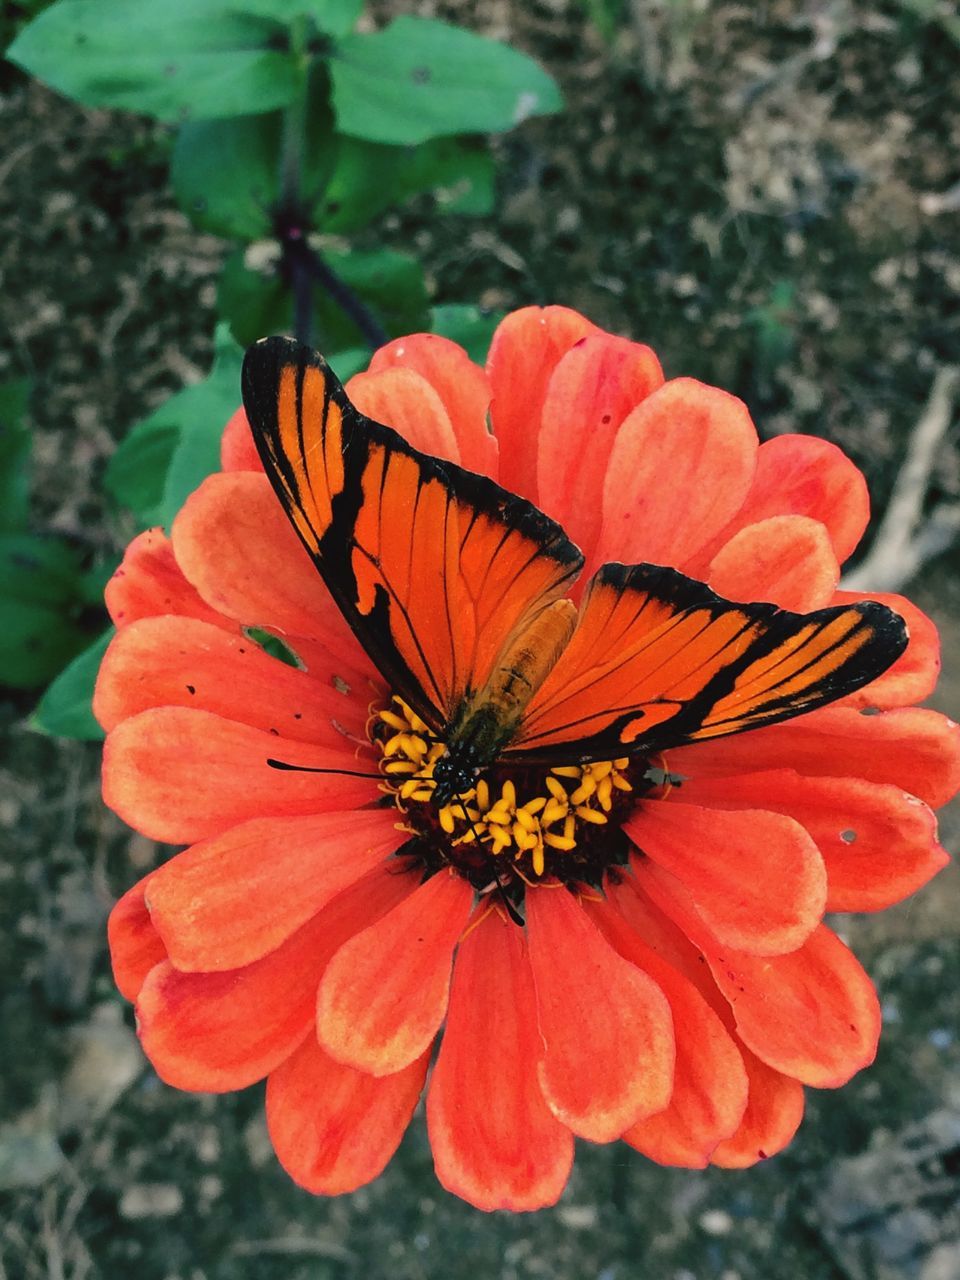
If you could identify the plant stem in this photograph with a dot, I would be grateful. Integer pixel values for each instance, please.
(301, 265)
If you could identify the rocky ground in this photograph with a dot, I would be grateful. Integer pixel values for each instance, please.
(767, 194)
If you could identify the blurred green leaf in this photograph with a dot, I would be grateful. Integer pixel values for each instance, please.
(201, 413)
(369, 177)
(64, 710)
(346, 363)
(390, 284)
(226, 173)
(419, 79)
(137, 472)
(172, 60)
(37, 592)
(333, 17)
(466, 324)
(14, 454)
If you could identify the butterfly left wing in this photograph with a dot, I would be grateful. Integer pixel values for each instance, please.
(658, 660)
(433, 567)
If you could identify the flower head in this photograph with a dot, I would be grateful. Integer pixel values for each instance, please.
(627, 948)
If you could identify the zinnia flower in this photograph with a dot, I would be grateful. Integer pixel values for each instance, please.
(683, 999)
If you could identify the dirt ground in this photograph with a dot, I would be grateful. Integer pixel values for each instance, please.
(768, 194)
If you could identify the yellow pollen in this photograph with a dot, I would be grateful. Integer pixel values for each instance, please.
(527, 828)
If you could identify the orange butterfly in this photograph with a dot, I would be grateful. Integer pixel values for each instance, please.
(455, 588)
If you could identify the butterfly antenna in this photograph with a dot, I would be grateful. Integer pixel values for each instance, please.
(286, 767)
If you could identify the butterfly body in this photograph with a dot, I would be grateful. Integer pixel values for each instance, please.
(457, 590)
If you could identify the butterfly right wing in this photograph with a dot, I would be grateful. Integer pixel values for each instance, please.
(433, 567)
(659, 660)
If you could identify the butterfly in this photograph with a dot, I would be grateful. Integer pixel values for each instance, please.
(457, 590)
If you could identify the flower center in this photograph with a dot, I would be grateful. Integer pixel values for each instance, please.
(517, 824)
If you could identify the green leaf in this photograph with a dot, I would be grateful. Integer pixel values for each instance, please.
(202, 412)
(333, 17)
(136, 474)
(390, 284)
(226, 173)
(38, 589)
(346, 363)
(369, 177)
(420, 79)
(14, 454)
(173, 60)
(468, 325)
(64, 710)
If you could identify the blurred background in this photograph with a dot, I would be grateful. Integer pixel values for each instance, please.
(769, 195)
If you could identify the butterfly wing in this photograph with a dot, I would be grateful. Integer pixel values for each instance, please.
(433, 567)
(658, 660)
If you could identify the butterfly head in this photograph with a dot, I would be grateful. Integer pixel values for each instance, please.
(453, 776)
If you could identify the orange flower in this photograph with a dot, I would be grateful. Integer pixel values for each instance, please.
(683, 1001)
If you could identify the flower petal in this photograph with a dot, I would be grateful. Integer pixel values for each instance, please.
(229, 900)
(179, 775)
(726, 859)
(135, 945)
(333, 1128)
(914, 674)
(710, 1083)
(811, 1014)
(802, 475)
(786, 560)
(878, 843)
(404, 400)
(680, 468)
(384, 994)
(218, 1031)
(495, 1142)
(461, 385)
(149, 582)
(910, 747)
(591, 391)
(237, 449)
(607, 1035)
(237, 547)
(525, 349)
(171, 661)
(773, 1115)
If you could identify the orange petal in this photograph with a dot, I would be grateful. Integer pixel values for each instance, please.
(910, 747)
(607, 1035)
(227, 901)
(725, 860)
(812, 1014)
(710, 1083)
(179, 775)
(237, 450)
(524, 352)
(591, 391)
(135, 945)
(679, 469)
(335, 1129)
(914, 674)
(786, 560)
(149, 582)
(802, 475)
(182, 662)
(384, 995)
(495, 1142)
(404, 400)
(461, 385)
(218, 1031)
(878, 843)
(238, 549)
(773, 1115)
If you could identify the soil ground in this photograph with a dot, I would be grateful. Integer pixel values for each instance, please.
(768, 195)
